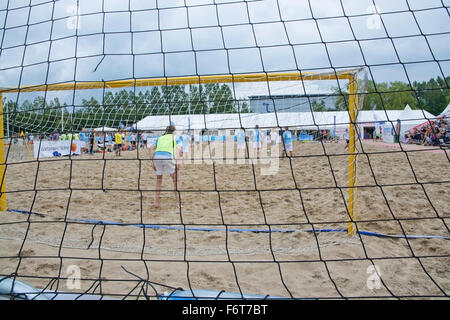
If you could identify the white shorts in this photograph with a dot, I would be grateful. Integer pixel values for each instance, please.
(257, 144)
(163, 163)
(241, 146)
(288, 147)
(186, 149)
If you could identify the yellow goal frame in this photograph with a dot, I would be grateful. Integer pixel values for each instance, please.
(350, 75)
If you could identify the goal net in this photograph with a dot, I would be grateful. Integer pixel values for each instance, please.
(311, 149)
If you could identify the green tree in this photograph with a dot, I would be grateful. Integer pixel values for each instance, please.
(317, 106)
(244, 107)
(381, 96)
(197, 100)
(221, 100)
(433, 95)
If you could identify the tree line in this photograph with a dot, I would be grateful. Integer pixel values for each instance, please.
(432, 95)
(123, 107)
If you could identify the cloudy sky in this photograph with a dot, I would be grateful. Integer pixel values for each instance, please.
(60, 41)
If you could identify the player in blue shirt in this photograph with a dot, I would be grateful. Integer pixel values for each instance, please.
(240, 138)
(287, 143)
(185, 140)
(257, 140)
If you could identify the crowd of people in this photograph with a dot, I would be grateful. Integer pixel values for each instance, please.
(103, 141)
(123, 140)
(433, 133)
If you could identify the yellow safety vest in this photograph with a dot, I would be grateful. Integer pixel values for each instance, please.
(166, 143)
(118, 138)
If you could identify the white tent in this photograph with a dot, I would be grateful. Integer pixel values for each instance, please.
(104, 129)
(328, 120)
(446, 112)
(408, 117)
(408, 121)
(300, 120)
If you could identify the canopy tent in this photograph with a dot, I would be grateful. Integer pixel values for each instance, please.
(295, 120)
(300, 120)
(104, 129)
(409, 118)
(445, 113)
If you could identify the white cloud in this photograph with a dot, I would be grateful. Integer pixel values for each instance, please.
(212, 62)
(89, 45)
(144, 20)
(146, 42)
(326, 8)
(400, 24)
(176, 40)
(37, 53)
(17, 17)
(202, 16)
(239, 36)
(233, 13)
(62, 49)
(379, 51)
(245, 60)
(270, 34)
(278, 59)
(11, 57)
(41, 13)
(61, 71)
(173, 18)
(207, 38)
(180, 64)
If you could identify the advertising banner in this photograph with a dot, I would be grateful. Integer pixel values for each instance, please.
(47, 149)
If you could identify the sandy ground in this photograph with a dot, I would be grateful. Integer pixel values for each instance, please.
(399, 193)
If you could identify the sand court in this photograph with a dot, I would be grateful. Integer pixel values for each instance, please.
(282, 234)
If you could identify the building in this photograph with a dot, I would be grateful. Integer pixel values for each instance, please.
(291, 103)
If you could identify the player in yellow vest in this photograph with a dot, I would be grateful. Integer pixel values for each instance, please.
(163, 154)
(118, 142)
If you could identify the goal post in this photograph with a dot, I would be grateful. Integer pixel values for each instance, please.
(352, 164)
(3, 201)
(350, 75)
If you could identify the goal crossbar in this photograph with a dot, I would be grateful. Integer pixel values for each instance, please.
(169, 81)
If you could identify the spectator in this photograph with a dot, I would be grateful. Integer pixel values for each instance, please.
(91, 142)
(118, 143)
(324, 135)
(133, 140)
(407, 139)
(347, 139)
